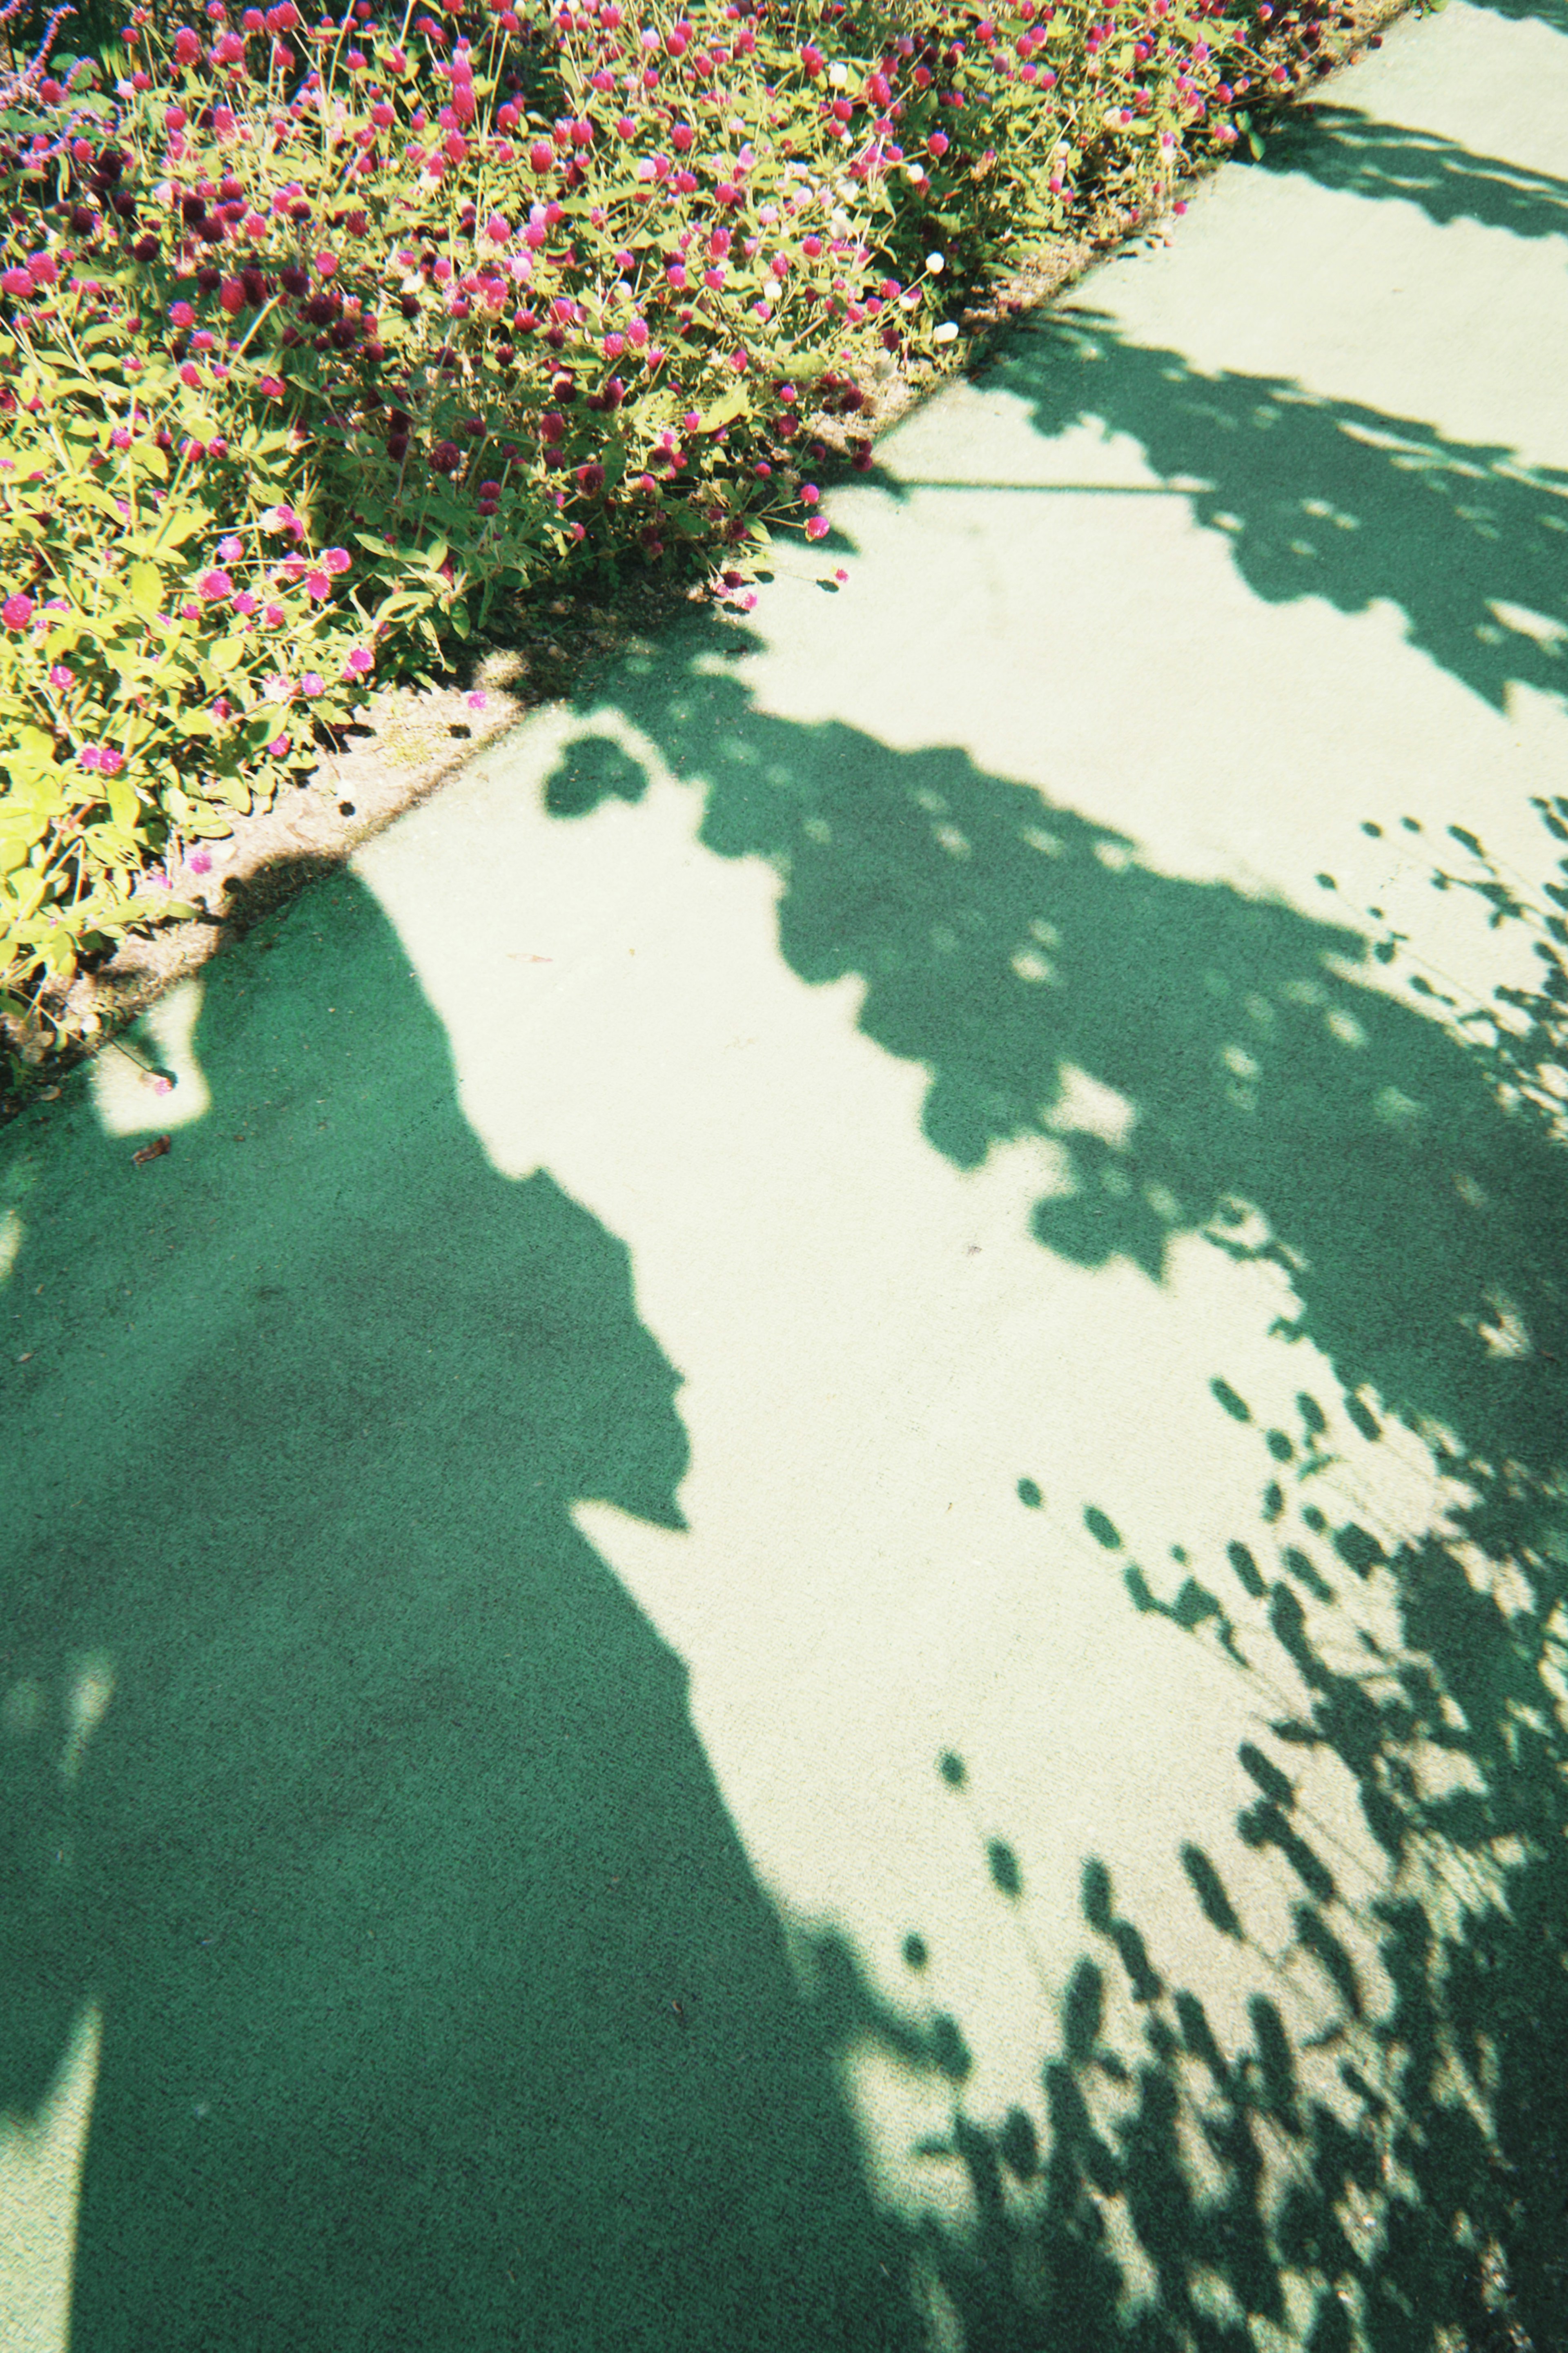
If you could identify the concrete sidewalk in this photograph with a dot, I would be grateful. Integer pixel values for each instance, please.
(773, 1492)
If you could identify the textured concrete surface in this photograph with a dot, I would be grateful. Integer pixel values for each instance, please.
(626, 1557)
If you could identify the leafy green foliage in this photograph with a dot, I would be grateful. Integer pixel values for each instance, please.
(315, 342)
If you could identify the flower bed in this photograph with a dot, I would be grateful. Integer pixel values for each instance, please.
(317, 339)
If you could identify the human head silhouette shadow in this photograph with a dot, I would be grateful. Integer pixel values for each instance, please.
(441, 2006)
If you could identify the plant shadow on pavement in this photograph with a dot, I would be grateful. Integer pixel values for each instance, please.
(1325, 497)
(1284, 1107)
(441, 2007)
(1277, 1100)
(1358, 155)
(1396, 2178)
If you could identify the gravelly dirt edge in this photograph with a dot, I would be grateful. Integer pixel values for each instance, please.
(413, 739)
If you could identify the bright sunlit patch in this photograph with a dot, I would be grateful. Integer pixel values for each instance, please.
(1086, 1106)
(40, 2188)
(92, 1688)
(11, 1230)
(150, 1079)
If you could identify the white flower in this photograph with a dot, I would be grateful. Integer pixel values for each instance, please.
(915, 173)
(934, 262)
(838, 75)
(946, 333)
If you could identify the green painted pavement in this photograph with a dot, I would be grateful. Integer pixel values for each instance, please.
(670, 1545)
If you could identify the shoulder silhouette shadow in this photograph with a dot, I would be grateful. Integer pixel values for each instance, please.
(441, 2007)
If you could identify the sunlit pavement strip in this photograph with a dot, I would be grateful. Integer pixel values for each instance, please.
(912, 984)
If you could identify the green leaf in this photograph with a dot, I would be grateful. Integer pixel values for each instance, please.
(725, 410)
(146, 583)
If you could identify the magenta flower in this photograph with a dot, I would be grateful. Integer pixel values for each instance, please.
(278, 745)
(317, 586)
(61, 676)
(181, 315)
(17, 611)
(358, 661)
(336, 560)
(214, 586)
(326, 263)
(272, 387)
(273, 616)
(313, 683)
(17, 284)
(200, 861)
(244, 604)
(231, 549)
(817, 527)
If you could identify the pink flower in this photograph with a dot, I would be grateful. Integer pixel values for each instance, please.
(272, 387)
(358, 661)
(181, 315)
(336, 559)
(278, 747)
(60, 677)
(317, 586)
(273, 616)
(817, 527)
(187, 48)
(199, 863)
(231, 549)
(214, 586)
(121, 437)
(17, 611)
(476, 702)
(244, 604)
(325, 264)
(313, 683)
